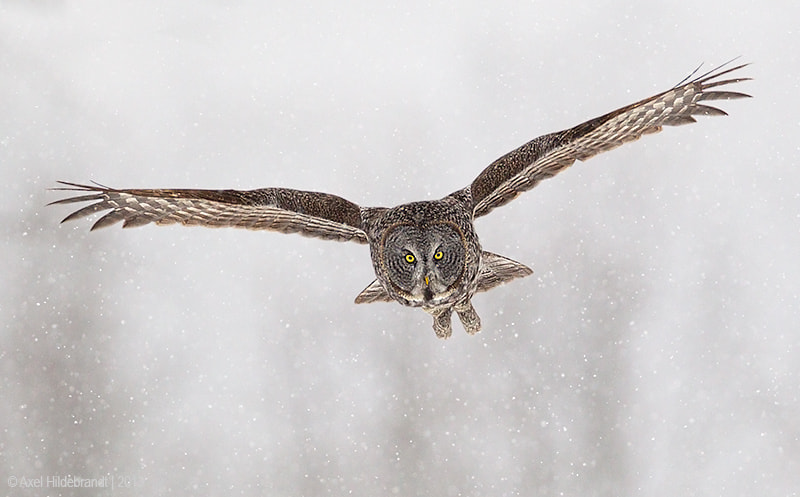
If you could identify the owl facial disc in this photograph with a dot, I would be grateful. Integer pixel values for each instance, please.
(423, 263)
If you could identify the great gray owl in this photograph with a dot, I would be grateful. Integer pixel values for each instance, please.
(425, 254)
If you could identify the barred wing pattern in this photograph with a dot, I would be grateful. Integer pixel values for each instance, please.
(319, 215)
(523, 168)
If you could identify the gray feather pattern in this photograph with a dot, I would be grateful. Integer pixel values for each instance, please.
(547, 155)
(425, 254)
(276, 209)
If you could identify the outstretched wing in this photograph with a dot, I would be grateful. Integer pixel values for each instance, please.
(521, 169)
(314, 214)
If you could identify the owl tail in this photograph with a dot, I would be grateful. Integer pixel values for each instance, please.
(496, 270)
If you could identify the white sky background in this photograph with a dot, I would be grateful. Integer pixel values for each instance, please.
(653, 352)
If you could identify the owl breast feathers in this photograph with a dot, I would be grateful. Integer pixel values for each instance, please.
(425, 254)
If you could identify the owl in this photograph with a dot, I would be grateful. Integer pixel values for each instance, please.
(425, 254)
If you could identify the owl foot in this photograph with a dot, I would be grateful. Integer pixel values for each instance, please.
(441, 323)
(469, 318)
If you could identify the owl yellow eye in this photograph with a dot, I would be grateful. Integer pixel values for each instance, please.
(438, 255)
(410, 258)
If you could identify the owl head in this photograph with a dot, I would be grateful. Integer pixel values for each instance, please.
(424, 264)
(422, 252)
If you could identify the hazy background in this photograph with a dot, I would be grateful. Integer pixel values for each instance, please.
(653, 352)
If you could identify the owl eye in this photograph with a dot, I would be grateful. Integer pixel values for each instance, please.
(438, 255)
(410, 258)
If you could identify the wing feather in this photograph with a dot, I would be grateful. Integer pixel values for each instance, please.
(312, 214)
(545, 156)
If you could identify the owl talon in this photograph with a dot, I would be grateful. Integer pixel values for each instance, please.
(442, 324)
(469, 318)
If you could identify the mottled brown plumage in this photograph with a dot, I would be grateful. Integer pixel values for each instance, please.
(425, 254)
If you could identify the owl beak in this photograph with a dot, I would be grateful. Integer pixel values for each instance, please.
(427, 281)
